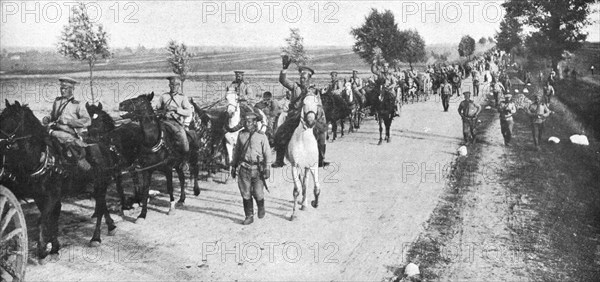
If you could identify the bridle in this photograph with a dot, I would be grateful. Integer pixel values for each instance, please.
(11, 137)
(49, 160)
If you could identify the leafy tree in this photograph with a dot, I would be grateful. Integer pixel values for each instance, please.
(509, 36)
(179, 60)
(378, 37)
(466, 47)
(482, 40)
(295, 48)
(84, 40)
(558, 25)
(413, 47)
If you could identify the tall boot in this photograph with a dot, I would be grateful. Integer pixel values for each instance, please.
(280, 155)
(248, 211)
(261, 208)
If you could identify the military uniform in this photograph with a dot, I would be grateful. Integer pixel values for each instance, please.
(507, 109)
(286, 130)
(446, 93)
(67, 121)
(538, 112)
(387, 82)
(335, 87)
(548, 93)
(178, 112)
(251, 151)
(469, 117)
(242, 88)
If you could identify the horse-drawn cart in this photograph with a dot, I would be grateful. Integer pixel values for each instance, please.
(13, 238)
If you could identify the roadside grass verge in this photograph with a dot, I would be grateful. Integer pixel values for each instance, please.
(446, 219)
(562, 187)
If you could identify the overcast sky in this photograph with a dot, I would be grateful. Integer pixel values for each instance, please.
(249, 23)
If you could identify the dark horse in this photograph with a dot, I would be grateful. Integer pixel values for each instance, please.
(33, 167)
(384, 104)
(157, 152)
(124, 143)
(336, 109)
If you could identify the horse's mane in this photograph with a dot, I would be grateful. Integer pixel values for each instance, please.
(106, 118)
(34, 126)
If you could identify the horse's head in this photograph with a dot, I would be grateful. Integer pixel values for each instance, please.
(18, 125)
(309, 111)
(138, 106)
(232, 102)
(101, 121)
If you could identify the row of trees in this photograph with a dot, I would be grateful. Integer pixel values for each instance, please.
(379, 39)
(86, 41)
(557, 26)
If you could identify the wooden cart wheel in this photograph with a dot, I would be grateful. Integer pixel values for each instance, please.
(13, 238)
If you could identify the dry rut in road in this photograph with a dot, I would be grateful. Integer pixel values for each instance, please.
(373, 203)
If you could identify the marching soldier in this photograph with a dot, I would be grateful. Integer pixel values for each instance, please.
(548, 92)
(176, 109)
(507, 109)
(241, 87)
(538, 112)
(468, 111)
(286, 130)
(67, 121)
(252, 154)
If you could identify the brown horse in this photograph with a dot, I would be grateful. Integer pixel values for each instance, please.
(158, 151)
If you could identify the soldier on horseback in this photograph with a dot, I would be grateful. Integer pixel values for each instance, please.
(241, 87)
(298, 92)
(67, 121)
(335, 86)
(386, 82)
(176, 110)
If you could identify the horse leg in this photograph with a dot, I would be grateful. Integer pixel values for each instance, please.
(388, 124)
(317, 191)
(136, 188)
(54, 217)
(194, 169)
(146, 177)
(44, 205)
(118, 184)
(380, 131)
(303, 182)
(100, 198)
(169, 175)
(334, 130)
(342, 125)
(296, 176)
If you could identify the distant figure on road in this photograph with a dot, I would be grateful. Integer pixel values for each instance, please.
(446, 93)
(475, 83)
(497, 90)
(538, 112)
(552, 78)
(468, 111)
(548, 92)
(507, 109)
(592, 69)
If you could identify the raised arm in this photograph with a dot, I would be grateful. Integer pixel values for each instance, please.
(285, 81)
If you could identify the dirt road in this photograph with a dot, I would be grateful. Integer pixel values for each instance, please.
(374, 201)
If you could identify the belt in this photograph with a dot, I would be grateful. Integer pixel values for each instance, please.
(250, 165)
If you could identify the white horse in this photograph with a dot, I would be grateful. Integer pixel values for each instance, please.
(303, 154)
(234, 125)
(233, 122)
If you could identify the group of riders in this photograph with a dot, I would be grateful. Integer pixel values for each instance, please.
(68, 117)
